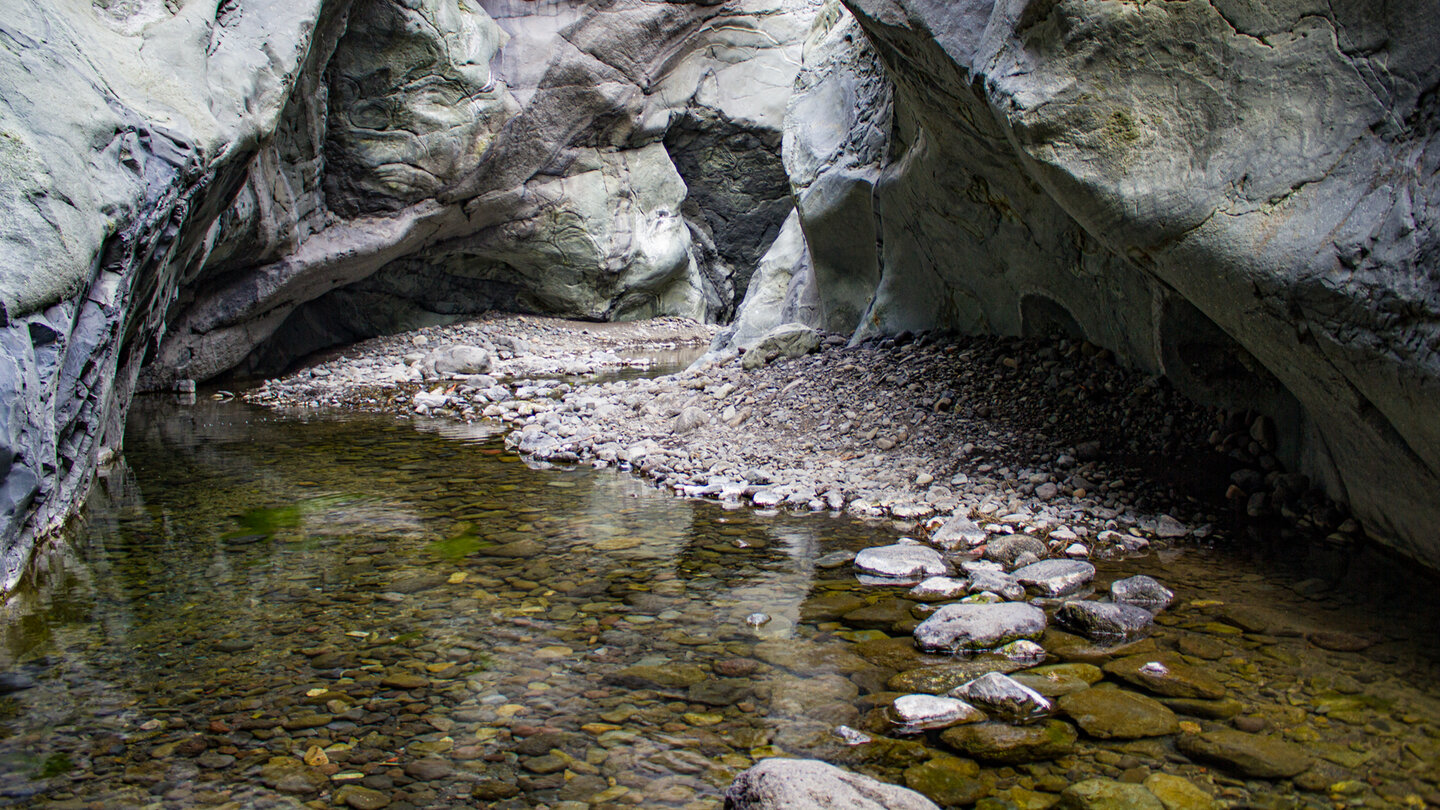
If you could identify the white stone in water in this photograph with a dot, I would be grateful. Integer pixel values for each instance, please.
(1077, 550)
(851, 736)
(1141, 591)
(954, 628)
(1055, 577)
(1170, 527)
(999, 583)
(915, 713)
(757, 619)
(940, 588)
(1003, 696)
(901, 560)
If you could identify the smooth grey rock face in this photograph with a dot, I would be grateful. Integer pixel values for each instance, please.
(955, 628)
(1229, 215)
(958, 532)
(901, 561)
(1055, 577)
(1141, 591)
(939, 589)
(1105, 621)
(787, 784)
(997, 582)
(1010, 549)
(1004, 697)
(785, 340)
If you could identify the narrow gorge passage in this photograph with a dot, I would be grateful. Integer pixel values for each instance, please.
(744, 404)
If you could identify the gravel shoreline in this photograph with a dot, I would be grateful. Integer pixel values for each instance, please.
(1044, 437)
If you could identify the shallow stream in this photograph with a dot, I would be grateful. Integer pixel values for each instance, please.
(263, 611)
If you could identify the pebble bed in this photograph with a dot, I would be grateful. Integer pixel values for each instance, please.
(360, 611)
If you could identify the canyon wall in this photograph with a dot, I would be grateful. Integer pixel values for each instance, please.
(1237, 195)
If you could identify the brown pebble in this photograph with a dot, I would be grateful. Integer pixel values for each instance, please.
(1253, 725)
(736, 667)
(1340, 642)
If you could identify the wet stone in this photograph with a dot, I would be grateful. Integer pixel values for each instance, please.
(947, 781)
(783, 784)
(1256, 755)
(1118, 714)
(1105, 621)
(1141, 591)
(360, 798)
(1053, 578)
(830, 606)
(1059, 679)
(939, 589)
(1165, 674)
(1002, 697)
(997, 582)
(938, 679)
(1007, 744)
(1105, 794)
(901, 561)
(979, 627)
(663, 676)
(1178, 793)
(915, 713)
(882, 615)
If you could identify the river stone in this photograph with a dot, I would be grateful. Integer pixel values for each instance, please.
(1001, 696)
(938, 679)
(525, 549)
(1105, 621)
(1004, 744)
(948, 781)
(1117, 714)
(914, 713)
(901, 560)
(1256, 755)
(1141, 591)
(662, 676)
(1106, 794)
(785, 340)
(979, 627)
(957, 533)
(360, 798)
(830, 606)
(458, 360)
(1059, 679)
(1071, 648)
(721, 691)
(882, 615)
(939, 589)
(1178, 793)
(1007, 549)
(1055, 577)
(689, 419)
(1165, 674)
(998, 583)
(791, 784)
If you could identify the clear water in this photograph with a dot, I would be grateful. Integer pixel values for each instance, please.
(261, 610)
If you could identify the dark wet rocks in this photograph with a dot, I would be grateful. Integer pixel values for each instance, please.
(1107, 794)
(1118, 714)
(937, 679)
(1059, 679)
(1105, 621)
(979, 627)
(948, 781)
(1005, 744)
(785, 784)
(1254, 755)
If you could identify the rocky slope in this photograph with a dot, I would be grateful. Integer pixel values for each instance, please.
(1234, 195)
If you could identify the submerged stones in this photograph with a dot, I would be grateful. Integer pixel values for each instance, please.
(785, 784)
(1256, 755)
(1118, 714)
(1005, 744)
(955, 628)
(1105, 621)
(1165, 674)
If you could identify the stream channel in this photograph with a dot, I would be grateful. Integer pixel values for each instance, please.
(265, 610)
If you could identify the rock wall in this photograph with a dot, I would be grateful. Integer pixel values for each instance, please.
(1238, 195)
(195, 186)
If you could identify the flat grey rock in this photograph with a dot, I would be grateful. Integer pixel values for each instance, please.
(1141, 591)
(1003, 697)
(955, 628)
(1105, 621)
(1055, 577)
(901, 561)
